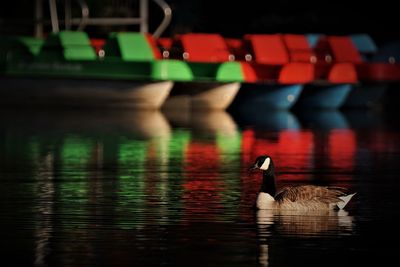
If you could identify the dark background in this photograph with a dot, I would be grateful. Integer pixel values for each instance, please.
(380, 18)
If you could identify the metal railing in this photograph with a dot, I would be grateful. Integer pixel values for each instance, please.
(85, 19)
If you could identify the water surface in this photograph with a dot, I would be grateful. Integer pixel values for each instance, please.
(125, 188)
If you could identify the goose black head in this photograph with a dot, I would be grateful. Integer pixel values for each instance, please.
(264, 163)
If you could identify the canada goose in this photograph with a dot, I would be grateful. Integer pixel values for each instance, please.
(301, 197)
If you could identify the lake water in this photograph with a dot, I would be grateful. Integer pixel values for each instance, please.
(125, 188)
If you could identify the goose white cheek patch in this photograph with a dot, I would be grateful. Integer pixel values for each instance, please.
(265, 165)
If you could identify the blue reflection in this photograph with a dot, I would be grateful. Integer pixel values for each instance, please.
(323, 119)
(262, 117)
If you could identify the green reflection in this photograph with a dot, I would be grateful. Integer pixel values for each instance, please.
(230, 147)
(76, 151)
(147, 169)
(177, 147)
(76, 154)
(132, 156)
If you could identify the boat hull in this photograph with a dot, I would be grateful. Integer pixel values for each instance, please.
(84, 93)
(274, 120)
(268, 96)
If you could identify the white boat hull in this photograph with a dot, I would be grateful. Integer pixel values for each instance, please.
(84, 93)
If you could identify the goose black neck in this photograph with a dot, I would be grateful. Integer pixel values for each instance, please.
(268, 183)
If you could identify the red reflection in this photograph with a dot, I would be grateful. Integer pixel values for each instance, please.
(380, 141)
(342, 149)
(247, 145)
(294, 150)
(290, 149)
(202, 183)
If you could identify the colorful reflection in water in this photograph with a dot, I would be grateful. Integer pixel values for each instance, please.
(150, 188)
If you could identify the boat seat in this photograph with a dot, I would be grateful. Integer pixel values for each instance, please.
(19, 48)
(131, 46)
(67, 45)
(365, 45)
(170, 47)
(208, 57)
(321, 58)
(237, 48)
(299, 48)
(141, 51)
(271, 61)
(345, 51)
(204, 47)
(165, 43)
(313, 38)
(97, 44)
(268, 49)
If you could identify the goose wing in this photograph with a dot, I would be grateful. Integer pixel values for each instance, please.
(305, 193)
